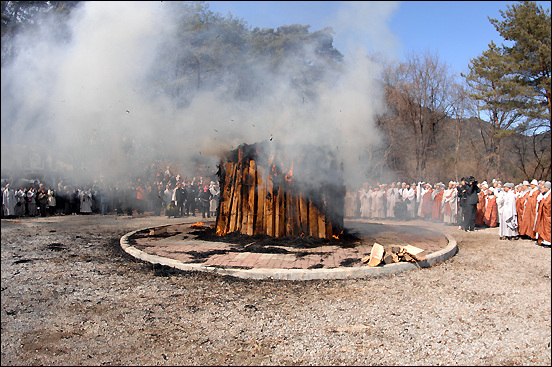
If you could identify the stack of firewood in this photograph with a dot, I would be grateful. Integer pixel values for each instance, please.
(393, 254)
(265, 194)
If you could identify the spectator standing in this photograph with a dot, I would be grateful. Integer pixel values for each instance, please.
(214, 188)
(20, 202)
(409, 197)
(506, 205)
(204, 199)
(8, 201)
(167, 197)
(437, 196)
(365, 201)
(42, 199)
(85, 197)
(450, 204)
(425, 210)
(527, 221)
(140, 199)
(157, 199)
(180, 199)
(462, 192)
(543, 218)
(52, 204)
(472, 198)
(490, 218)
(31, 202)
(391, 195)
(480, 210)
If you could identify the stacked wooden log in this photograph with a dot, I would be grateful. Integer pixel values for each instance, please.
(393, 254)
(265, 192)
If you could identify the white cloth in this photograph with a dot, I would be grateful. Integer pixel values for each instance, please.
(168, 196)
(365, 203)
(392, 196)
(215, 192)
(508, 221)
(9, 201)
(85, 201)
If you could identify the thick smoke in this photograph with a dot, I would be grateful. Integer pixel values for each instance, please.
(86, 105)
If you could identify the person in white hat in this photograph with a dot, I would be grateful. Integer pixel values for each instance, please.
(508, 219)
(543, 218)
(527, 221)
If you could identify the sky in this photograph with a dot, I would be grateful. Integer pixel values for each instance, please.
(456, 31)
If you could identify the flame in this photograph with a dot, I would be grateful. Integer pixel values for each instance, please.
(197, 225)
(337, 237)
(289, 175)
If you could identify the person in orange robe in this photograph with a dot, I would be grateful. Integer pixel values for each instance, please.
(427, 203)
(437, 195)
(520, 199)
(480, 211)
(527, 222)
(543, 218)
(491, 209)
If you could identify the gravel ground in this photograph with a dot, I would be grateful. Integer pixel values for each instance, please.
(70, 296)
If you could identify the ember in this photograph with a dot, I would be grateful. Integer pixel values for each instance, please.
(265, 192)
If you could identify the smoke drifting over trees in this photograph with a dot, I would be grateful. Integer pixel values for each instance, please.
(118, 85)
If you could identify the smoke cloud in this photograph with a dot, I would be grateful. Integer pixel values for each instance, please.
(88, 104)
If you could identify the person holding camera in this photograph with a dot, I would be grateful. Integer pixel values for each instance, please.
(472, 198)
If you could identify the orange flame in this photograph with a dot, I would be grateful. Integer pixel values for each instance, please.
(337, 237)
(197, 225)
(289, 175)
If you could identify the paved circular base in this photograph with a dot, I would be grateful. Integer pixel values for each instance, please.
(342, 272)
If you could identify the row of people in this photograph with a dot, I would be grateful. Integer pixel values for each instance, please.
(468, 204)
(187, 197)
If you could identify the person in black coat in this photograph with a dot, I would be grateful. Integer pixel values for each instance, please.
(205, 197)
(462, 189)
(180, 196)
(472, 198)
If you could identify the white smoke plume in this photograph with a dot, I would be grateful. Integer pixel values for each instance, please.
(88, 102)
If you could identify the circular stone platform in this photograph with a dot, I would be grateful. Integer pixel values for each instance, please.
(178, 246)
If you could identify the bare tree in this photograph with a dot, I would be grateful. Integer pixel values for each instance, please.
(420, 91)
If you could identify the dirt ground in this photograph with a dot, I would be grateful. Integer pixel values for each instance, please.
(71, 296)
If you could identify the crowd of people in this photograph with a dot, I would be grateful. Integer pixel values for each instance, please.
(163, 193)
(520, 211)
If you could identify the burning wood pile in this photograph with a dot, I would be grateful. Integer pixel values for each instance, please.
(264, 191)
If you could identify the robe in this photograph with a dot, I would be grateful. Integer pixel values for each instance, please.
(392, 195)
(350, 202)
(215, 195)
(426, 204)
(527, 221)
(436, 213)
(20, 203)
(520, 202)
(365, 203)
(410, 195)
(8, 201)
(450, 206)
(85, 202)
(480, 210)
(378, 202)
(491, 211)
(543, 220)
(506, 205)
